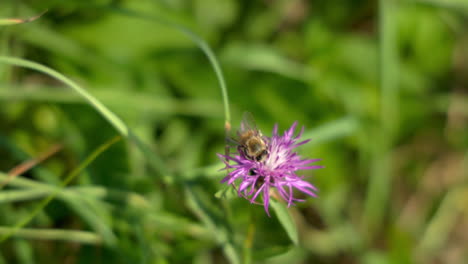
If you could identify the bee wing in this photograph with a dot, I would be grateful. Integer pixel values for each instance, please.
(248, 123)
(232, 142)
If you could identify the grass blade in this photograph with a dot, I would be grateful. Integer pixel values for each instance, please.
(113, 119)
(22, 195)
(201, 44)
(379, 185)
(286, 220)
(220, 233)
(82, 237)
(16, 21)
(27, 165)
(67, 180)
(106, 113)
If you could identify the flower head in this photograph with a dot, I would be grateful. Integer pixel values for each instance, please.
(276, 171)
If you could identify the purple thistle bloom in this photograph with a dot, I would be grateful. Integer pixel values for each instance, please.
(277, 170)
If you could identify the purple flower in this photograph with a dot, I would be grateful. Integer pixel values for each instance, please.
(276, 171)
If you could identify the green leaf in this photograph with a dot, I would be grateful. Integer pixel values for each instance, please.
(286, 220)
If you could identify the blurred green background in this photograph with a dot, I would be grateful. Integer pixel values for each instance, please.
(381, 88)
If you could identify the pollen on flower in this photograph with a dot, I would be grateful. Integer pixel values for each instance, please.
(258, 179)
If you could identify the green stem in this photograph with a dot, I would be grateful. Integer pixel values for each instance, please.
(200, 43)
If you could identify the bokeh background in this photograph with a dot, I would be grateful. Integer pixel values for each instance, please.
(381, 88)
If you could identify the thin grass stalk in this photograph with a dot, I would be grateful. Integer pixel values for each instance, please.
(380, 175)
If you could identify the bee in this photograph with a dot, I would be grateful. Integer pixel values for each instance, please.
(251, 143)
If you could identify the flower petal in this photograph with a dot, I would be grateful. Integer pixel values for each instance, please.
(277, 171)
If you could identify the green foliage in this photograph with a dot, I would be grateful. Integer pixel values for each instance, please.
(380, 88)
